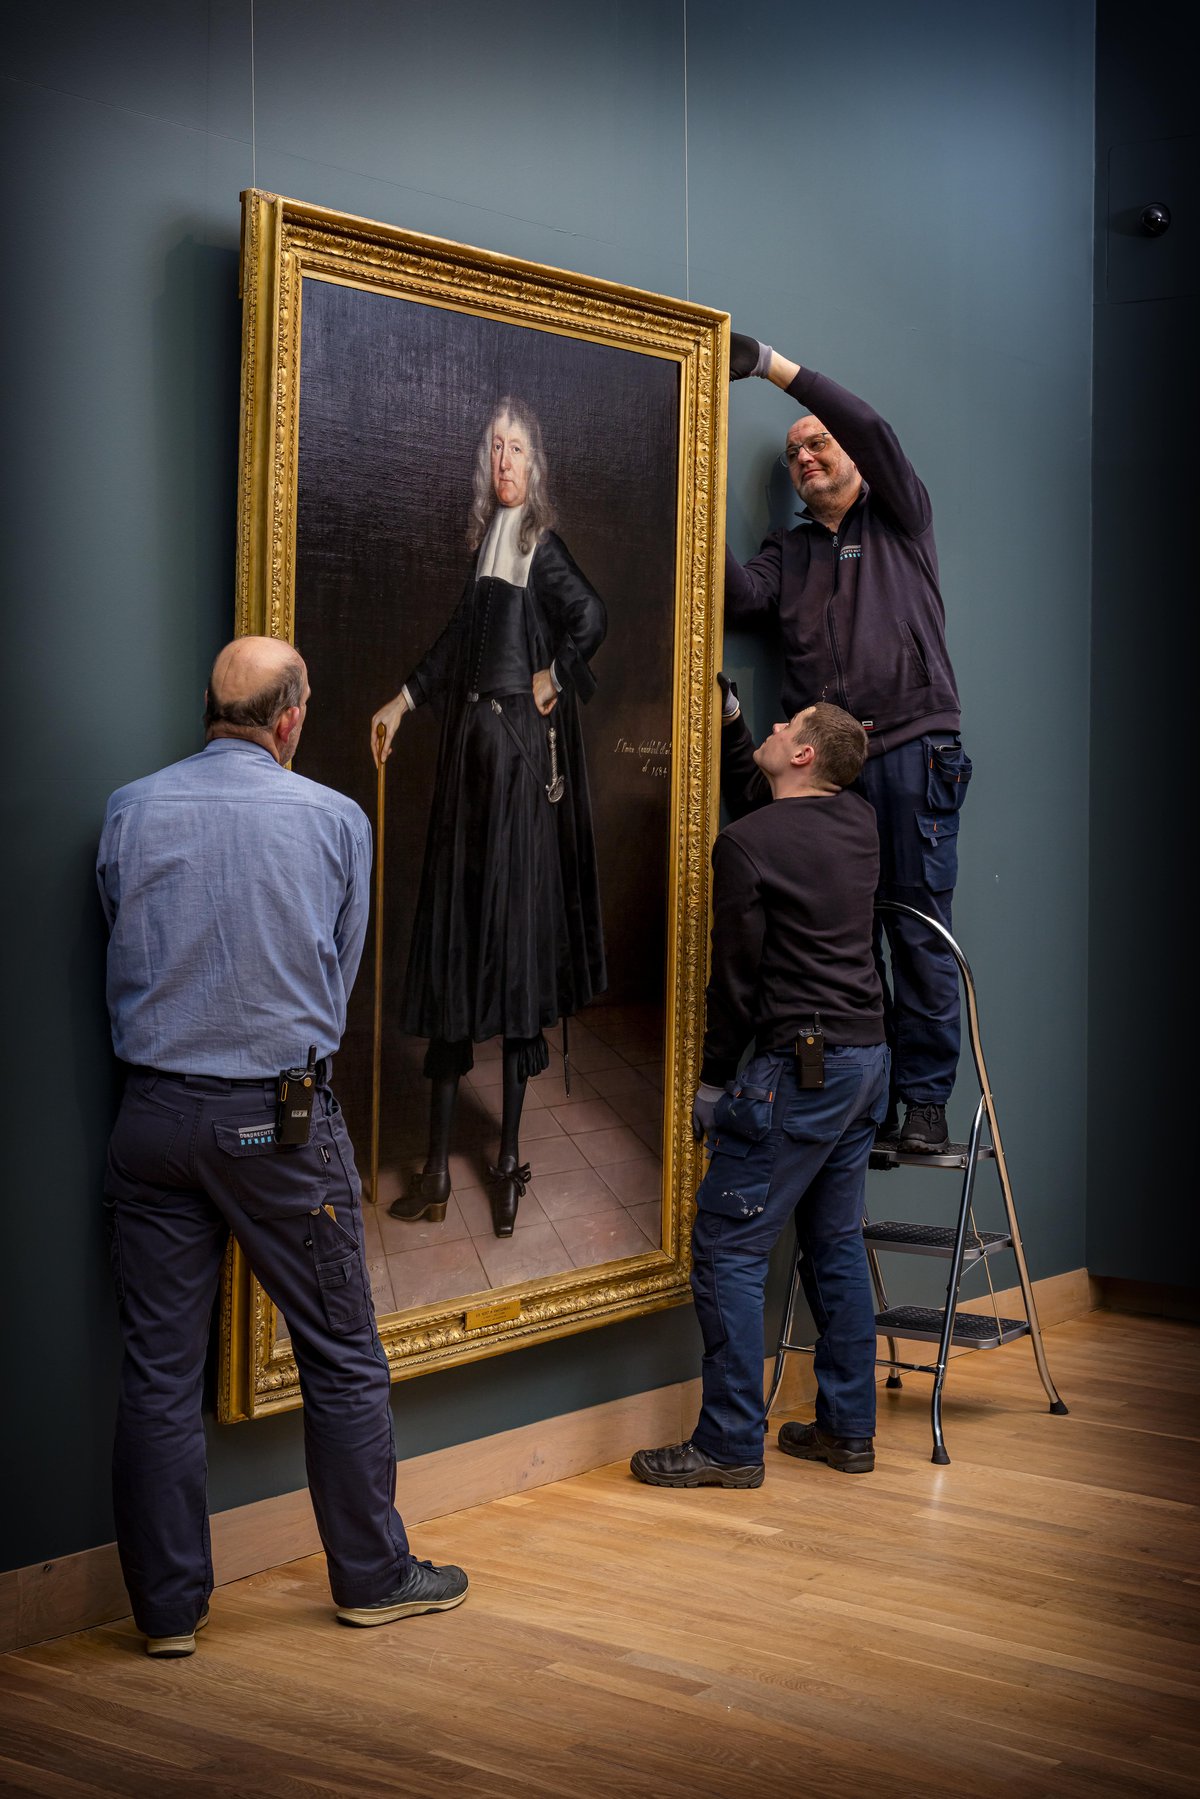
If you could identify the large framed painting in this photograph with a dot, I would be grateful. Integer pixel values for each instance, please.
(485, 499)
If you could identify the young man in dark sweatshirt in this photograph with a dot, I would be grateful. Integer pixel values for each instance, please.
(793, 970)
(853, 591)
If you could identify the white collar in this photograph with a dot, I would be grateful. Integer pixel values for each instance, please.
(500, 555)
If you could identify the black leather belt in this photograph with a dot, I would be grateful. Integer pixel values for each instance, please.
(324, 1070)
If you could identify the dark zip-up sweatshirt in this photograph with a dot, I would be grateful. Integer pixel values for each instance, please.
(860, 614)
(793, 912)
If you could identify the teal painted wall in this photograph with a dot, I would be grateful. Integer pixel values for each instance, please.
(904, 201)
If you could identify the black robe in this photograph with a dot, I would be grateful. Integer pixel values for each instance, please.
(507, 935)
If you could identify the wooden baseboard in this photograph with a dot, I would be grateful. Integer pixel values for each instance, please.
(76, 1592)
(1151, 1299)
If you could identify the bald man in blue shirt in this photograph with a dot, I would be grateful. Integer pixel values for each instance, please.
(236, 894)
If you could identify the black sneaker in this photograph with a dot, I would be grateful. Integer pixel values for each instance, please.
(683, 1465)
(925, 1132)
(850, 1455)
(423, 1589)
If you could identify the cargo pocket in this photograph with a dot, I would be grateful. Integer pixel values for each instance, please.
(949, 769)
(341, 1276)
(738, 1179)
(745, 1112)
(269, 1179)
(939, 849)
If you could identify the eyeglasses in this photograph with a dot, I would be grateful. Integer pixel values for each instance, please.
(814, 446)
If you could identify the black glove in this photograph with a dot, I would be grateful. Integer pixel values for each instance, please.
(747, 357)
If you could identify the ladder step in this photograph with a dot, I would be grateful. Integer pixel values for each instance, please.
(888, 1154)
(972, 1330)
(933, 1239)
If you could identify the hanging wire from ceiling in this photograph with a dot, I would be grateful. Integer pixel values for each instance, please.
(253, 133)
(687, 247)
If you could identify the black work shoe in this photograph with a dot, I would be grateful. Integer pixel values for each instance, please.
(683, 1465)
(925, 1132)
(851, 1455)
(423, 1589)
(427, 1199)
(184, 1644)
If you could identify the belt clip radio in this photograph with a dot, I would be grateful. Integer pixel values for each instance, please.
(295, 1090)
(810, 1055)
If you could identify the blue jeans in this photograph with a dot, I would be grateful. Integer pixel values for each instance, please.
(917, 792)
(809, 1165)
(190, 1159)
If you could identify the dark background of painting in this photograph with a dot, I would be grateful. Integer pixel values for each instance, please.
(394, 397)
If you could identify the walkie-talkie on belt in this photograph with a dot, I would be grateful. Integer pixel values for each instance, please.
(810, 1055)
(295, 1090)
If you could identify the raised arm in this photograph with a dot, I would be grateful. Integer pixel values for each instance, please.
(896, 488)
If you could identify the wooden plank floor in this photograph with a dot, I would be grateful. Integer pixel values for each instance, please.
(1023, 1622)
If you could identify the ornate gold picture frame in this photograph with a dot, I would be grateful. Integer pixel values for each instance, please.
(369, 356)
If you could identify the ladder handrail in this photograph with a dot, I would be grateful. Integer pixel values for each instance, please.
(968, 982)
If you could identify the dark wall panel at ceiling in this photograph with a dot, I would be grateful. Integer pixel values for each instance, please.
(1141, 1217)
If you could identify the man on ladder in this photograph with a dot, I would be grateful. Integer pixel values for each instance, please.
(792, 969)
(853, 591)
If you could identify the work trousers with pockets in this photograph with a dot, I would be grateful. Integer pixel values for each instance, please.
(917, 791)
(191, 1159)
(805, 1160)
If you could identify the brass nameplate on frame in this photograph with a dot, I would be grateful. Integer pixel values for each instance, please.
(486, 501)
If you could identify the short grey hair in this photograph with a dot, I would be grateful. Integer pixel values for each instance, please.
(261, 709)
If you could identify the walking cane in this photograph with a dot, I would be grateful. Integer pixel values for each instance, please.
(377, 1035)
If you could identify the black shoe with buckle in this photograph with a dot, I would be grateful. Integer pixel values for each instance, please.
(509, 1181)
(427, 1200)
(683, 1465)
(423, 1589)
(850, 1455)
(925, 1132)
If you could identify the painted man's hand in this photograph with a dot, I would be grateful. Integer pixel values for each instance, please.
(545, 693)
(389, 717)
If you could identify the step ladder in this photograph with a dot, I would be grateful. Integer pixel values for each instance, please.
(961, 1244)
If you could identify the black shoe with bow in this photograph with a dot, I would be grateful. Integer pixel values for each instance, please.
(509, 1181)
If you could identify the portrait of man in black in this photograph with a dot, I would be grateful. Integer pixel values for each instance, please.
(507, 937)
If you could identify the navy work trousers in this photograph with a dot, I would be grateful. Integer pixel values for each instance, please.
(917, 792)
(809, 1165)
(192, 1158)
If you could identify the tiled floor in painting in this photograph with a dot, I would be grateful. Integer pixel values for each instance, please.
(595, 1156)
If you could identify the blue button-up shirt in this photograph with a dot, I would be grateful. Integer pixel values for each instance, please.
(236, 895)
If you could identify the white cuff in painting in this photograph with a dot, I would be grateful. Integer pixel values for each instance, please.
(407, 697)
(558, 686)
